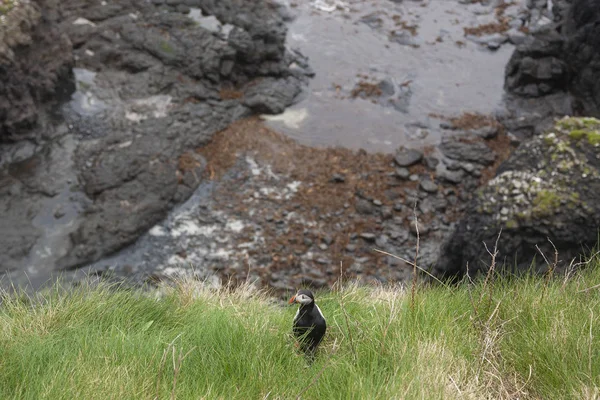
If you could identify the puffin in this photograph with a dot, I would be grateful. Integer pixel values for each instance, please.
(309, 325)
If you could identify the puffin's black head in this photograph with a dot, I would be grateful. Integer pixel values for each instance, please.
(303, 297)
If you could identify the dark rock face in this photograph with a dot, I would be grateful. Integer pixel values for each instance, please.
(467, 151)
(561, 58)
(35, 66)
(536, 67)
(547, 189)
(134, 186)
(153, 85)
(583, 55)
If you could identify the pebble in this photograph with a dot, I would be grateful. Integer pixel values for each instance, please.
(402, 173)
(368, 236)
(382, 241)
(468, 167)
(364, 207)
(445, 174)
(386, 213)
(486, 132)
(431, 162)
(414, 177)
(59, 212)
(398, 207)
(378, 203)
(425, 206)
(407, 157)
(338, 178)
(428, 186)
(350, 248)
(323, 246)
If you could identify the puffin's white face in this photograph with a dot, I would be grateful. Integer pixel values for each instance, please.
(301, 299)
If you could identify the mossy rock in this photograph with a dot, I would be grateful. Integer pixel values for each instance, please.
(548, 188)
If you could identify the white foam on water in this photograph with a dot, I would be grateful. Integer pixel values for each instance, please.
(290, 118)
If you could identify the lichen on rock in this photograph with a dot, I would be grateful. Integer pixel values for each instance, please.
(547, 189)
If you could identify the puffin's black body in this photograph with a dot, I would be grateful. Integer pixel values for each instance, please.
(309, 324)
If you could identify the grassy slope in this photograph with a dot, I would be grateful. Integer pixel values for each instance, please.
(523, 341)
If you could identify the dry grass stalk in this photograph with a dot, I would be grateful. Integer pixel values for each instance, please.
(551, 267)
(177, 362)
(416, 266)
(491, 270)
(413, 288)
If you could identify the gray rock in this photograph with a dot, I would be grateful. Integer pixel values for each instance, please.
(373, 20)
(338, 178)
(431, 162)
(59, 212)
(387, 87)
(428, 186)
(382, 241)
(365, 207)
(516, 37)
(386, 213)
(370, 237)
(486, 132)
(447, 175)
(425, 206)
(402, 173)
(467, 151)
(271, 95)
(468, 167)
(27, 92)
(407, 157)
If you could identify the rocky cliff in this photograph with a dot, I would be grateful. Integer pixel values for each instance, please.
(155, 80)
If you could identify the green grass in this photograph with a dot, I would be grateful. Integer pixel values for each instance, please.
(518, 338)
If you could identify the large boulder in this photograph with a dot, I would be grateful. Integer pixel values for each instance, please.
(36, 64)
(548, 189)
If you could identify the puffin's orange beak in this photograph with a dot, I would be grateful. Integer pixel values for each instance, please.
(292, 300)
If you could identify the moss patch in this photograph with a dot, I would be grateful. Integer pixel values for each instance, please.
(572, 123)
(593, 137)
(166, 47)
(6, 6)
(546, 202)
